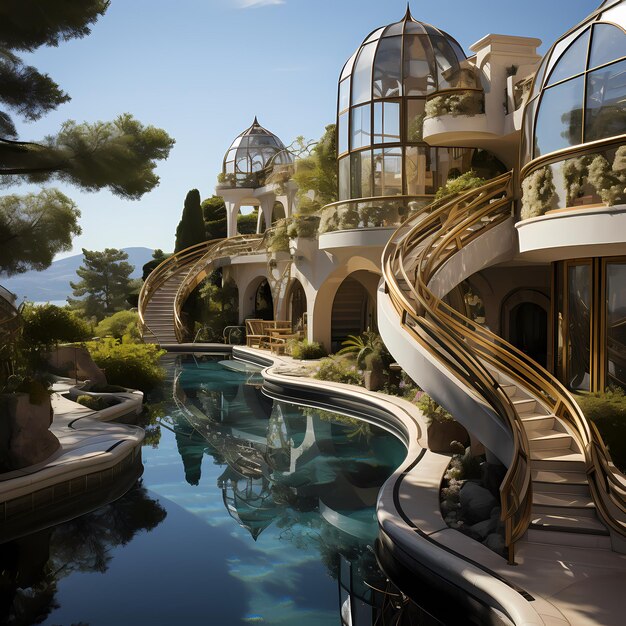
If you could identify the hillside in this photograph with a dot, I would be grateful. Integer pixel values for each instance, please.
(53, 284)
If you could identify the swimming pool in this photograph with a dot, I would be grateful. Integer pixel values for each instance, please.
(250, 511)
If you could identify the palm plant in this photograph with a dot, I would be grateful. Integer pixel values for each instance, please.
(362, 345)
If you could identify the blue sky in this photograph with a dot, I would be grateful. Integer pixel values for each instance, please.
(202, 69)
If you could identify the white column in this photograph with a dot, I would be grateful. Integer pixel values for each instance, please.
(232, 210)
(267, 205)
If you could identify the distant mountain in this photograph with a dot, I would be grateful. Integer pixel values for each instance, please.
(53, 284)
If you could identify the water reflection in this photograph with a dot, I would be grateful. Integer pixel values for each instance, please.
(32, 567)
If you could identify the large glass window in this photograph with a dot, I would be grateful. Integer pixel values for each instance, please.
(387, 77)
(605, 114)
(342, 133)
(579, 329)
(616, 324)
(446, 63)
(573, 60)
(344, 94)
(361, 174)
(344, 178)
(420, 178)
(608, 44)
(415, 119)
(418, 66)
(388, 172)
(361, 127)
(362, 75)
(386, 122)
(559, 121)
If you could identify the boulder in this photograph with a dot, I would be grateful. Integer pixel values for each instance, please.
(495, 542)
(31, 442)
(76, 362)
(476, 502)
(484, 528)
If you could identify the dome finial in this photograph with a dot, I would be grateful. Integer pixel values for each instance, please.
(256, 122)
(407, 15)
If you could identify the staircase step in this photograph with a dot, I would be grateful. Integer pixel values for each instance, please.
(559, 481)
(510, 390)
(571, 523)
(537, 421)
(557, 459)
(554, 536)
(525, 406)
(549, 440)
(563, 504)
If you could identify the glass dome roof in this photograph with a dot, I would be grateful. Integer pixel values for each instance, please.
(579, 92)
(406, 58)
(253, 152)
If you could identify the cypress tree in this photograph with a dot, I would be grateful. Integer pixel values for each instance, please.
(190, 229)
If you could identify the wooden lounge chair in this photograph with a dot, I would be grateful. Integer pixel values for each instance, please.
(255, 334)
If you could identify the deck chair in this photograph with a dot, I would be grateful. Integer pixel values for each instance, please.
(255, 334)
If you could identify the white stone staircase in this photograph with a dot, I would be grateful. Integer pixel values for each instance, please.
(159, 313)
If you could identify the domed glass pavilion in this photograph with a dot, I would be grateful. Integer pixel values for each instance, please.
(576, 114)
(251, 157)
(383, 89)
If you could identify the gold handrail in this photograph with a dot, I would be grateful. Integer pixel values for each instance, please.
(165, 270)
(436, 234)
(240, 245)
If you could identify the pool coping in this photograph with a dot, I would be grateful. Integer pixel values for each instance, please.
(96, 462)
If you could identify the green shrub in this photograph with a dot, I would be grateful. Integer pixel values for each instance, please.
(608, 412)
(96, 403)
(466, 181)
(305, 350)
(133, 365)
(432, 411)
(538, 193)
(459, 103)
(119, 324)
(303, 226)
(279, 240)
(339, 371)
(49, 324)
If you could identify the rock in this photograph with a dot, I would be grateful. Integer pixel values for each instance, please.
(76, 362)
(492, 476)
(495, 542)
(31, 442)
(476, 502)
(482, 529)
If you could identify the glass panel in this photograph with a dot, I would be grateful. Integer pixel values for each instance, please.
(605, 114)
(344, 94)
(388, 172)
(387, 68)
(578, 317)
(616, 324)
(344, 178)
(347, 68)
(607, 44)
(560, 330)
(375, 35)
(572, 61)
(559, 119)
(394, 29)
(414, 28)
(342, 133)
(420, 179)
(414, 119)
(452, 162)
(418, 66)
(446, 62)
(386, 122)
(560, 47)
(527, 131)
(362, 75)
(361, 127)
(539, 78)
(361, 174)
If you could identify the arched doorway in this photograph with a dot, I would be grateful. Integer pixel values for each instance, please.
(528, 331)
(263, 302)
(353, 311)
(297, 306)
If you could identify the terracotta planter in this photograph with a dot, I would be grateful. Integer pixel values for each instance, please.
(441, 434)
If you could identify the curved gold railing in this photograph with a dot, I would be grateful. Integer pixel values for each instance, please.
(240, 245)
(165, 270)
(412, 258)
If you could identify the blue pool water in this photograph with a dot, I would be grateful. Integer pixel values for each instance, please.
(249, 511)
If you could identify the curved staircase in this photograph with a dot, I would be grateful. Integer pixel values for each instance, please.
(168, 286)
(560, 486)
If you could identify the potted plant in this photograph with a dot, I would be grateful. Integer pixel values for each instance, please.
(442, 429)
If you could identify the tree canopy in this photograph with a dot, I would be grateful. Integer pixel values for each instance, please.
(35, 227)
(190, 229)
(104, 285)
(119, 155)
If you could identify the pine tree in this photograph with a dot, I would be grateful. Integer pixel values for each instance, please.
(105, 282)
(190, 229)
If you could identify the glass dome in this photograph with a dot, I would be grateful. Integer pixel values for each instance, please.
(381, 102)
(579, 92)
(251, 157)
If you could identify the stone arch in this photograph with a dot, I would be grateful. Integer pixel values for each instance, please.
(248, 305)
(297, 304)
